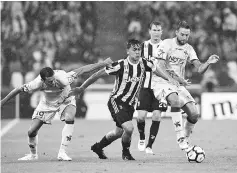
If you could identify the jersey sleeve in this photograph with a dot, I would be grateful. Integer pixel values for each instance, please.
(113, 68)
(36, 84)
(71, 76)
(192, 55)
(163, 49)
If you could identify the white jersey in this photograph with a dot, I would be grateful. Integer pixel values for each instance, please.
(53, 95)
(176, 57)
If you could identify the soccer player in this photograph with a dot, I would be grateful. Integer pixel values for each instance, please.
(129, 77)
(147, 101)
(174, 53)
(56, 86)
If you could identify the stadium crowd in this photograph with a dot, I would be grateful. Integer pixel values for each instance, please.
(214, 28)
(36, 34)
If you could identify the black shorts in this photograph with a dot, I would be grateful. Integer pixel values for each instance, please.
(147, 101)
(121, 112)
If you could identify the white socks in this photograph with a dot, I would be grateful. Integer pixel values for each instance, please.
(188, 128)
(178, 123)
(66, 136)
(33, 142)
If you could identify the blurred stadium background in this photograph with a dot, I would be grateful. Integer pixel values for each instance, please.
(67, 35)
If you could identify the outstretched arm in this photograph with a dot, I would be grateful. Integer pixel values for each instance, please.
(202, 68)
(12, 94)
(88, 82)
(92, 67)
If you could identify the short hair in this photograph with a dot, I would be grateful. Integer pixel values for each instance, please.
(46, 72)
(133, 42)
(156, 23)
(183, 24)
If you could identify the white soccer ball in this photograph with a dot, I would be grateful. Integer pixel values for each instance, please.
(195, 154)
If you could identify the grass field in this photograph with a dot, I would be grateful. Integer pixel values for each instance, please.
(218, 138)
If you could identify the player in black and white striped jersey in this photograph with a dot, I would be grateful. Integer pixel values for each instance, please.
(129, 73)
(147, 101)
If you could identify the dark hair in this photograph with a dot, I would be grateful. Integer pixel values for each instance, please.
(46, 72)
(156, 23)
(183, 24)
(133, 42)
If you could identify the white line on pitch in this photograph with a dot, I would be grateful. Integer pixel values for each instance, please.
(8, 127)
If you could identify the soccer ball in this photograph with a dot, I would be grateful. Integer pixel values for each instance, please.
(195, 154)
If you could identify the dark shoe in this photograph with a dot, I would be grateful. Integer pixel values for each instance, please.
(95, 148)
(127, 155)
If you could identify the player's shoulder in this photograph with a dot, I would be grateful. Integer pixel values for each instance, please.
(189, 46)
(166, 42)
(59, 72)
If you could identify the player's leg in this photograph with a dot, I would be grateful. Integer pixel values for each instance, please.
(126, 140)
(156, 118)
(33, 139)
(144, 105)
(69, 114)
(158, 106)
(141, 129)
(192, 117)
(105, 141)
(177, 119)
(189, 107)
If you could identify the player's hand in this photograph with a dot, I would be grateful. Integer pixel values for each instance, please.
(185, 82)
(108, 61)
(76, 91)
(213, 59)
(174, 82)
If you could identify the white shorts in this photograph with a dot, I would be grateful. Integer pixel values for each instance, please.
(162, 90)
(47, 112)
(184, 96)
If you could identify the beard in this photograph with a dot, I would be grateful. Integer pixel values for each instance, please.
(181, 42)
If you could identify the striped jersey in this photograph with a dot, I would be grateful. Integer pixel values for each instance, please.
(129, 78)
(176, 57)
(149, 50)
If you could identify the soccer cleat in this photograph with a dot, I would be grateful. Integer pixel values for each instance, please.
(127, 155)
(148, 150)
(183, 144)
(96, 149)
(141, 145)
(29, 157)
(62, 156)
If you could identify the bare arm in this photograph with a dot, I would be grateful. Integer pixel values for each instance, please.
(12, 94)
(202, 67)
(88, 82)
(92, 67)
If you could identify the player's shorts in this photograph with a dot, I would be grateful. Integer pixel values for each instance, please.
(147, 101)
(185, 96)
(163, 90)
(46, 112)
(121, 112)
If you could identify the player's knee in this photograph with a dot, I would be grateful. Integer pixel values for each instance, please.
(129, 129)
(119, 133)
(32, 133)
(156, 116)
(193, 118)
(141, 116)
(175, 103)
(69, 117)
(141, 119)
